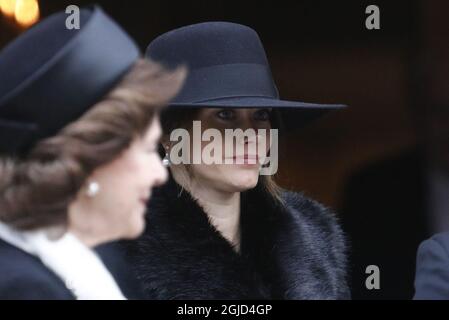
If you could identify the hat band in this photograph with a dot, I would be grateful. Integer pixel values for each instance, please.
(15, 133)
(228, 80)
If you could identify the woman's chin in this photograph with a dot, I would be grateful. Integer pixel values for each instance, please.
(136, 227)
(135, 233)
(243, 181)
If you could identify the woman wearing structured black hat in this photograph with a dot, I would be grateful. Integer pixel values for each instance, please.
(79, 130)
(222, 231)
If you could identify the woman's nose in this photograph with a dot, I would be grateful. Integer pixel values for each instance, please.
(251, 124)
(249, 138)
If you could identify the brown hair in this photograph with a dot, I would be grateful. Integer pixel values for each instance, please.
(182, 118)
(35, 192)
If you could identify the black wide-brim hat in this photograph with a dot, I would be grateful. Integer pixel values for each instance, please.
(51, 75)
(228, 68)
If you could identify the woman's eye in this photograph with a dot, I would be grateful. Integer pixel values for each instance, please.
(262, 115)
(226, 114)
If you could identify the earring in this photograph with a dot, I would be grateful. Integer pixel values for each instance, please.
(92, 189)
(166, 161)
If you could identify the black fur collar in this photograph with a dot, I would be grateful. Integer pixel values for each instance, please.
(287, 252)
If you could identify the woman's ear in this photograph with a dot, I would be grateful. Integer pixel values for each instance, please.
(165, 140)
(163, 143)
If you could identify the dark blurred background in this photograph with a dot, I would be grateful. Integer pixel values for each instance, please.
(382, 163)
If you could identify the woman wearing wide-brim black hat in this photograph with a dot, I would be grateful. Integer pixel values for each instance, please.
(223, 231)
(79, 130)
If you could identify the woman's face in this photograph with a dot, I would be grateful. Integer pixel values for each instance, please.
(234, 177)
(125, 185)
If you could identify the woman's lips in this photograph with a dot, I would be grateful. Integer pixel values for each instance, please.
(246, 159)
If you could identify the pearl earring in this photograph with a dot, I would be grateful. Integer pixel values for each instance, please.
(166, 161)
(92, 189)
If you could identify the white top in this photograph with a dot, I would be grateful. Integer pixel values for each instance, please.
(77, 265)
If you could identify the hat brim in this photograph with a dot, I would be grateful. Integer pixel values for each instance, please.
(295, 114)
(256, 102)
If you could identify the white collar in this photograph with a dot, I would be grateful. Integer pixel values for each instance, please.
(78, 266)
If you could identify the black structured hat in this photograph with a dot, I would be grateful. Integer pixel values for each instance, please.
(228, 67)
(50, 75)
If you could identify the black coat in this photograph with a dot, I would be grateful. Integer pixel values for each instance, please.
(24, 277)
(291, 252)
(432, 271)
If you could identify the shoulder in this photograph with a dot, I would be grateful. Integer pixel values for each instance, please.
(25, 277)
(432, 268)
(315, 217)
(440, 239)
(317, 234)
(16, 261)
(436, 247)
